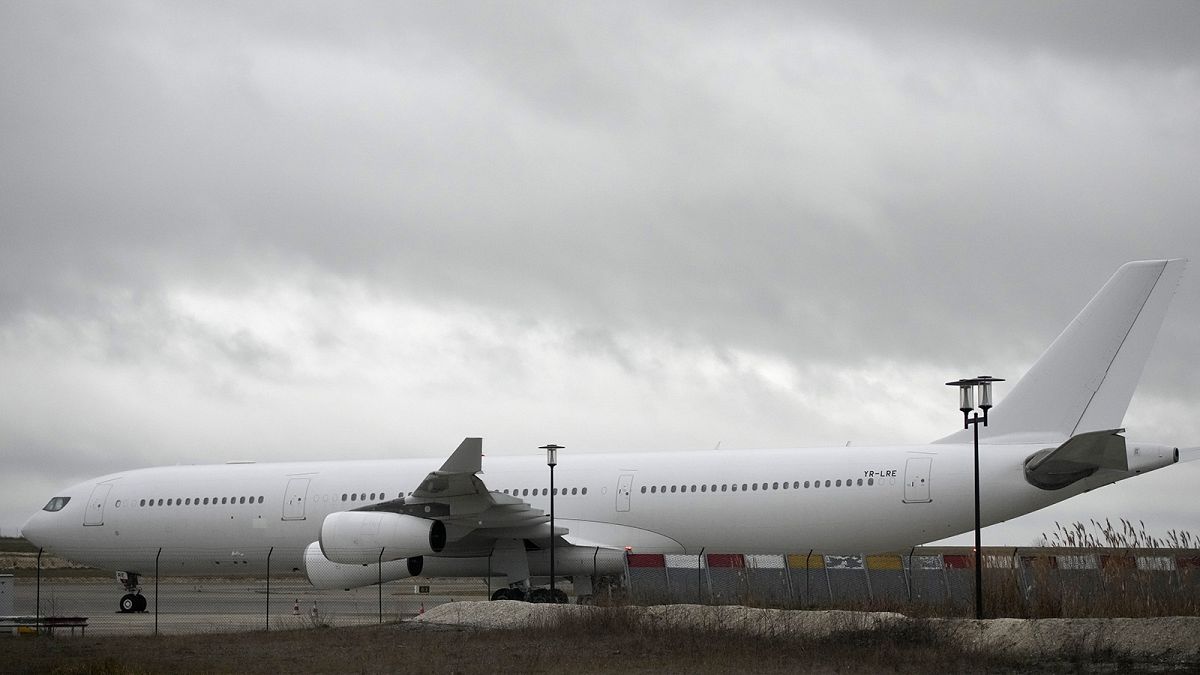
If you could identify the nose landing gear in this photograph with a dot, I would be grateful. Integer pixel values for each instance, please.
(133, 600)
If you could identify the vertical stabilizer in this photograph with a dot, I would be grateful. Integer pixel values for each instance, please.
(1086, 378)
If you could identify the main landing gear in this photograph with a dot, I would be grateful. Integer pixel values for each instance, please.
(535, 595)
(133, 601)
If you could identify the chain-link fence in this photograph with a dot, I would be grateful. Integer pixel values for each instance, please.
(266, 590)
(262, 590)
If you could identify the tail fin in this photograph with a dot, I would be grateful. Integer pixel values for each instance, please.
(1085, 379)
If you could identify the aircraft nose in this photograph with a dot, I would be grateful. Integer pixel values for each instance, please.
(34, 530)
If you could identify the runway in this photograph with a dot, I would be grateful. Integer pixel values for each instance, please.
(187, 606)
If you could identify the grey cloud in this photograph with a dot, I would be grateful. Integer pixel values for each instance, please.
(828, 182)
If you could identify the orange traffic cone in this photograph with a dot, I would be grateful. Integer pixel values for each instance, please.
(296, 608)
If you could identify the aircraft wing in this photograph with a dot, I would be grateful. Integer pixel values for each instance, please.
(455, 495)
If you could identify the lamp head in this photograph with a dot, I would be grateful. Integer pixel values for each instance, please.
(551, 454)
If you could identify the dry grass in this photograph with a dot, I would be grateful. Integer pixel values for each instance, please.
(607, 641)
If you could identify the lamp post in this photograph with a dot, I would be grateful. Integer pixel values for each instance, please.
(551, 461)
(966, 403)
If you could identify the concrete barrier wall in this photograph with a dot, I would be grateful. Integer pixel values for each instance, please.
(945, 579)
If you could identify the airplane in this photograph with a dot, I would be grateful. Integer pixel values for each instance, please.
(347, 524)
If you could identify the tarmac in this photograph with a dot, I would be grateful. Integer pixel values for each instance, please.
(213, 605)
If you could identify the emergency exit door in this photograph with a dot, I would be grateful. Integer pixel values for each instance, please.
(624, 487)
(916, 480)
(294, 498)
(95, 506)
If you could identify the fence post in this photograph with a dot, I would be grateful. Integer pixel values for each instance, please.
(380, 584)
(156, 556)
(269, 552)
(37, 622)
(700, 577)
(908, 572)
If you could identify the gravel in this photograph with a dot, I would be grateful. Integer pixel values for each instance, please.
(1168, 640)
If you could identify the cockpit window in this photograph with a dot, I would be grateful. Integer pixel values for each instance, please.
(56, 504)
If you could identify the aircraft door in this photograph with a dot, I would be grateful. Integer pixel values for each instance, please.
(624, 487)
(94, 515)
(916, 480)
(293, 498)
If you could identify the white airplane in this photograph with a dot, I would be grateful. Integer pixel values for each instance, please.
(354, 523)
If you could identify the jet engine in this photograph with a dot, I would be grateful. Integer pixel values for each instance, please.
(363, 537)
(324, 573)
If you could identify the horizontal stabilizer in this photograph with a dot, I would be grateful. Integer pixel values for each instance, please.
(1081, 456)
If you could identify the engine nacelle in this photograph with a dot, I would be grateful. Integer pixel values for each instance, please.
(359, 537)
(324, 573)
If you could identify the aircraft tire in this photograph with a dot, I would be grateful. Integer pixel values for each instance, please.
(560, 597)
(128, 603)
(139, 603)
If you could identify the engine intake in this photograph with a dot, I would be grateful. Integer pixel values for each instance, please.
(360, 537)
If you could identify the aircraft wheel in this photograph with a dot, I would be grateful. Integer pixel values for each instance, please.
(516, 594)
(139, 603)
(500, 594)
(128, 603)
(560, 597)
(539, 595)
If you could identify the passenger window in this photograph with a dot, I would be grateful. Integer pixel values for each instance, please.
(583, 491)
(860, 482)
(775, 486)
(142, 503)
(704, 488)
(754, 487)
(870, 481)
(743, 487)
(672, 489)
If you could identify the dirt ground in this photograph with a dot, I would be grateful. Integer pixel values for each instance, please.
(540, 638)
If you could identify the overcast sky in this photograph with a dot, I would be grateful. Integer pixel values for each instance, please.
(293, 230)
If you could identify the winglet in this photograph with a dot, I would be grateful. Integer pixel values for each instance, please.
(468, 458)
